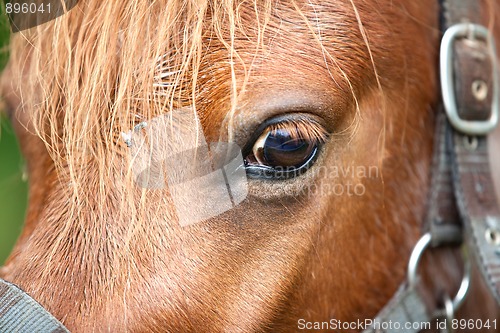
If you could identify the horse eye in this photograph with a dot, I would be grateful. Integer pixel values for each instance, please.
(285, 149)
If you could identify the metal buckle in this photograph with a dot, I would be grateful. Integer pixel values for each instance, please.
(447, 78)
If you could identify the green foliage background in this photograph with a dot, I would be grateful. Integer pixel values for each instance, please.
(13, 190)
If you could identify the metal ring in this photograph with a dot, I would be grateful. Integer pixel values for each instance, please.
(465, 284)
(449, 310)
(415, 257)
(416, 254)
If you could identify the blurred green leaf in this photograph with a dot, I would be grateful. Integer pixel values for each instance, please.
(13, 190)
(4, 36)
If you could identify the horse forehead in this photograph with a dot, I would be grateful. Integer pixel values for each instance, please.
(305, 43)
(301, 36)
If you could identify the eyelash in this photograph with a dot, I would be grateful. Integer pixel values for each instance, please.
(304, 129)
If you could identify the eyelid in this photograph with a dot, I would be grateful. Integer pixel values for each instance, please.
(302, 129)
(307, 126)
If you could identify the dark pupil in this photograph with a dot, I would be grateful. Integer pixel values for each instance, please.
(281, 149)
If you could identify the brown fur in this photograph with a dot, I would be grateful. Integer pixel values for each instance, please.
(103, 255)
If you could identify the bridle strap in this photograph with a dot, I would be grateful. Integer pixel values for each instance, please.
(470, 64)
(19, 313)
(462, 202)
(404, 311)
(443, 220)
(476, 90)
(459, 11)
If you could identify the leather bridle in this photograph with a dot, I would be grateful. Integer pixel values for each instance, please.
(462, 208)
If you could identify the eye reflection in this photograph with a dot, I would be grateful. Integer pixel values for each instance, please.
(285, 149)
